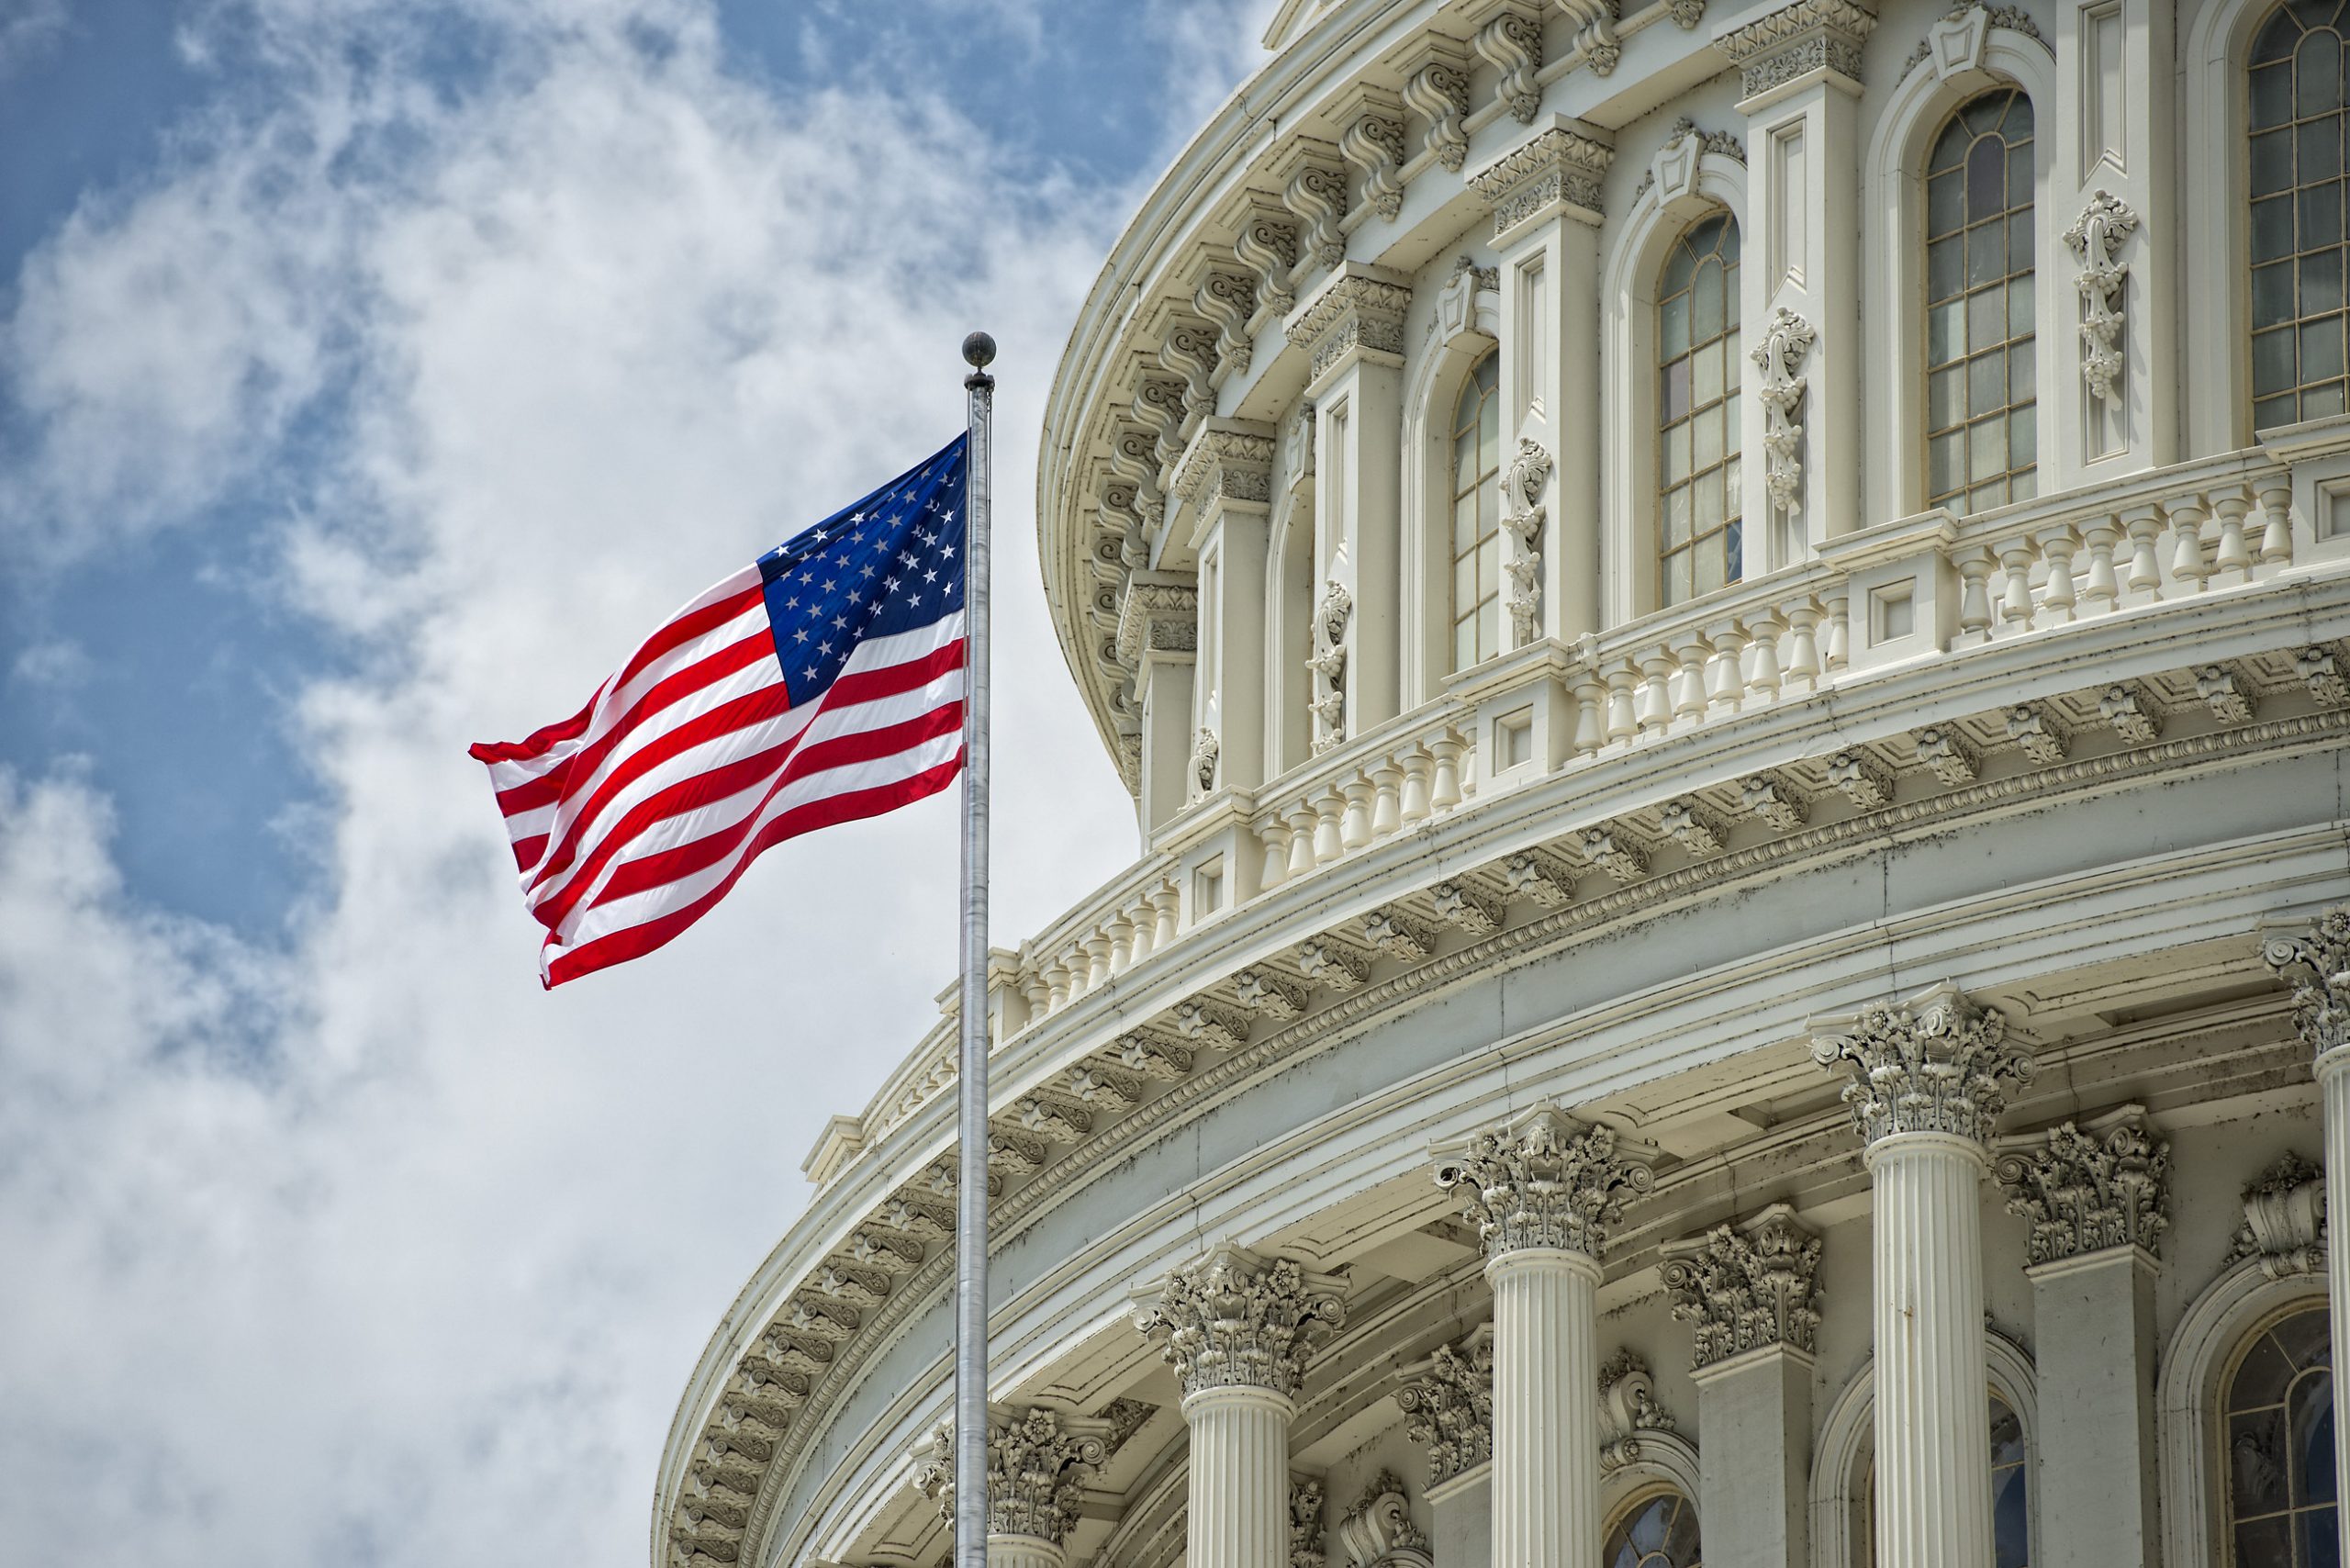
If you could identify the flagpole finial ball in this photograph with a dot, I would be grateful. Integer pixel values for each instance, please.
(978, 351)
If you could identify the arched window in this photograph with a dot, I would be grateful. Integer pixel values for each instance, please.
(1659, 1530)
(2279, 1424)
(2010, 1499)
(2297, 240)
(1698, 521)
(1981, 441)
(1476, 516)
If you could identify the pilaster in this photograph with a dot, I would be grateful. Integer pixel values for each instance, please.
(1226, 480)
(1158, 632)
(1239, 1331)
(2318, 965)
(1750, 1293)
(1928, 1080)
(1353, 330)
(1799, 283)
(2097, 1196)
(1544, 1193)
(1545, 196)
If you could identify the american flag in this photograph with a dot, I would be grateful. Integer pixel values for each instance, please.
(822, 684)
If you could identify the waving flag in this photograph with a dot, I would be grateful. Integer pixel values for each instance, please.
(822, 684)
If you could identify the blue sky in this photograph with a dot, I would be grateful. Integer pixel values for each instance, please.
(373, 372)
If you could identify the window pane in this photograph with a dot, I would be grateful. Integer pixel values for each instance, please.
(2272, 357)
(2321, 349)
(1706, 440)
(1943, 388)
(2020, 387)
(2019, 169)
(2019, 306)
(1987, 319)
(1677, 518)
(1987, 382)
(1946, 205)
(1987, 178)
(1706, 375)
(2272, 294)
(2317, 74)
(1942, 460)
(1944, 265)
(1705, 513)
(2319, 145)
(2321, 213)
(1672, 326)
(2023, 438)
(1942, 331)
(1673, 394)
(1986, 255)
(2272, 163)
(2272, 229)
(1987, 450)
(2318, 402)
(2020, 242)
(1712, 573)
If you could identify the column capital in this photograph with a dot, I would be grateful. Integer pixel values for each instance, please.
(1038, 1462)
(2086, 1188)
(1233, 1320)
(1447, 1403)
(1544, 1181)
(1937, 1063)
(1747, 1286)
(1555, 171)
(1795, 45)
(1357, 314)
(2318, 965)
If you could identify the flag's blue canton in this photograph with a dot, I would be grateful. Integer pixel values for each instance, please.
(887, 564)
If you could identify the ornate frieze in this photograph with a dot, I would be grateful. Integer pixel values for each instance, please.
(1038, 1462)
(2318, 965)
(1780, 356)
(1379, 1530)
(1160, 615)
(1743, 1287)
(2085, 1190)
(2284, 1220)
(1543, 1181)
(1522, 514)
(1796, 41)
(1937, 1063)
(1627, 1407)
(1512, 44)
(1556, 170)
(2103, 282)
(1235, 1320)
(1355, 312)
(1447, 1403)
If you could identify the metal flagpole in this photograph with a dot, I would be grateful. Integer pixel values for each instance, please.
(971, 1072)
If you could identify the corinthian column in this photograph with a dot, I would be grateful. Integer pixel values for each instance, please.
(2319, 967)
(1238, 1331)
(1929, 1079)
(1038, 1460)
(1544, 1193)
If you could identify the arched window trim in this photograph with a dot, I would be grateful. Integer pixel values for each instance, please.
(1627, 557)
(2237, 1305)
(1846, 1446)
(1894, 322)
(1639, 1495)
(1429, 393)
(1667, 1463)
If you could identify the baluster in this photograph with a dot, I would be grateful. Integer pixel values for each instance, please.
(1469, 773)
(1164, 903)
(2231, 504)
(1039, 994)
(1274, 836)
(1838, 649)
(1144, 921)
(2056, 598)
(1302, 854)
(1097, 961)
(1974, 597)
(1326, 845)
(1622, 722)
(2015, 595)
(1654, 707)
(1725, 672)
(1762, 656)
(2277, 521)
(2143, 523)
(1416, 762)
(2101, 591)
(1386, 813)
(1689, 681)
(1446, 793)
(1802, 648)
(1354, 827)
(2186, 564)
(1056, 984)
(1121, 943)
(1591, 732)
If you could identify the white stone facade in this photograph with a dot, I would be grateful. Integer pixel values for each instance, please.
(1674, 1001)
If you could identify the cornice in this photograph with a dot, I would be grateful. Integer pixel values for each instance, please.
(1557, 170)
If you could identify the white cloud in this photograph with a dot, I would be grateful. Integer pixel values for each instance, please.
(364, 1250)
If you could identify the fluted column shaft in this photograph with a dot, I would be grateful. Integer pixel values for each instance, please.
(1546, 1409)
(2333, 1087)
(1239, 1480)
(1934, 1434)
(1024, 1551)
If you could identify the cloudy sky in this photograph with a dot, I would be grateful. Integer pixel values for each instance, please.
(373, 374)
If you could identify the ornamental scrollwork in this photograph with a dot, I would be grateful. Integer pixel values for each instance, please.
(1038, 1462)
(1439, 93)
(1935, 1064)
(1512, 44)
(1379, 1530)
(2083, 1192)
(1204, 750)
(1627, 1407)
(2284, 1220)
(2093, 239)
(1305, 1522)
(1327, 666)
(1545, 1182)
(1374, 143)
(1235, 1320)
(1317, 197)
(1522, 517)
(1448, 1405)
(2318, 965)
(1780, 353)
(1744, 1287)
